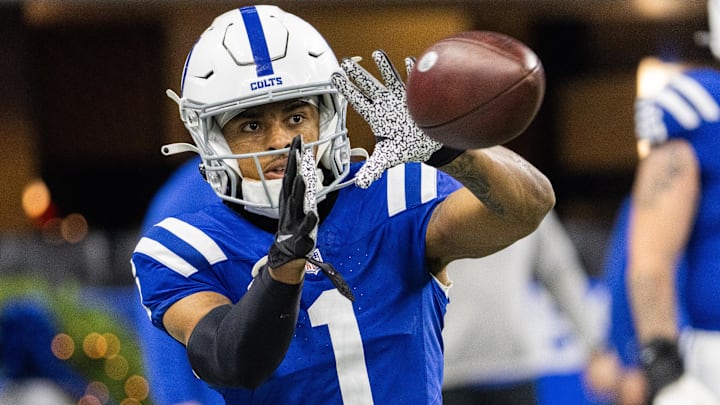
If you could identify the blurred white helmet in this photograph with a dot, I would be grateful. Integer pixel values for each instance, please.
(711, 37)
(251, 56)
(713, 40)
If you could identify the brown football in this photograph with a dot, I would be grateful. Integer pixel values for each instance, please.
(475, 89)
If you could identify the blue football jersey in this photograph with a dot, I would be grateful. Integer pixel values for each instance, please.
(689, 108)
(383, 348)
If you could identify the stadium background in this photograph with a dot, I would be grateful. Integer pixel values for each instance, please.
(83, 114)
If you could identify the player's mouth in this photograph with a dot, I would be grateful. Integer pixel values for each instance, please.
(276, 169)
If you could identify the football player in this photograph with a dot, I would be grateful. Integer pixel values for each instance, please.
(676, 211)
(316, 279)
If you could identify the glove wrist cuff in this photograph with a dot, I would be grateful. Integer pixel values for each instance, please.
(280, 254)
(443, 156)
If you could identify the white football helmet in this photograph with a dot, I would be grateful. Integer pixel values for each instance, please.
(251, 56)
(711, 37)
(714, 27)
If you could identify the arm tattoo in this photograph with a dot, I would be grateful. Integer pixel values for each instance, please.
(463, 170)
(661, 180)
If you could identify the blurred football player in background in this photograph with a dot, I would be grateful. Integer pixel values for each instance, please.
(169, 374)
(675, 211)
(626, 382)
(314, 279)
(30, 373)
(503, 333)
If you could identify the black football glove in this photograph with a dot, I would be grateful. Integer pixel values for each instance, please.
(295, 238)
(298, 221)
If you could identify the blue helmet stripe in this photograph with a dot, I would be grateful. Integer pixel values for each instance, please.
(256, 36)
(185, 68)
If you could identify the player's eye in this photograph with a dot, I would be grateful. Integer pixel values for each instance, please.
(297, 119)
(252, 126)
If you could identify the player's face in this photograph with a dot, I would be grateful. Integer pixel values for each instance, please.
(271, 127)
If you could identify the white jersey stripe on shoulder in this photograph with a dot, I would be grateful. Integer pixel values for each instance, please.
(159, 252)
(139, 287)
(396, 190)
(698, 96)
(195, 238)
(679, 109)
(428, 187)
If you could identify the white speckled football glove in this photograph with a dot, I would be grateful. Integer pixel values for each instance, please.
(398, 138)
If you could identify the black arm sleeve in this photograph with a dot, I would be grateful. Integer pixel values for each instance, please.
(241, 345)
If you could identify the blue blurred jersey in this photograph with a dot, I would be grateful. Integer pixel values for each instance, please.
(383, 348)
(688, 108)
(165, 360)
(184, 191)
(622, 336)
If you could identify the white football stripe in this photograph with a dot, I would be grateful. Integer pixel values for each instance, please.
(396, 190)
(159, 252)
(698, 96)
(195, 238)
(428, 186)
(139, 287)
(679, 109)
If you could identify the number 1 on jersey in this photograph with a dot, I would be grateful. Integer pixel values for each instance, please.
(336, 311)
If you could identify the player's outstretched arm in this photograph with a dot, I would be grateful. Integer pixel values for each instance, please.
(504, 199)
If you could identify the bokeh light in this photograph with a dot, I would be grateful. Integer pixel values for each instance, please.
(94, 345)
(137, 387)
(113, 345)
(89, 400)
(35, 198)
(62, 346)
(74, 228)
(98, 390)
(660, 8)
(117, 367)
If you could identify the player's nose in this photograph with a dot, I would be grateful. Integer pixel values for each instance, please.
(279, 137)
